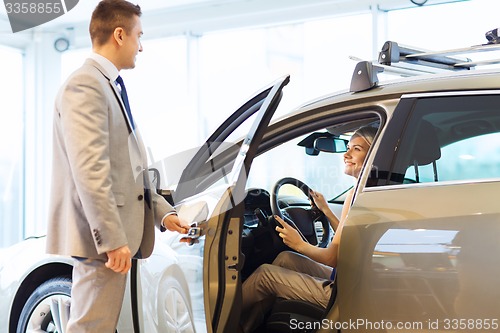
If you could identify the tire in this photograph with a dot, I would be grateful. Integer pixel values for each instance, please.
(174, 308)
(37, 314)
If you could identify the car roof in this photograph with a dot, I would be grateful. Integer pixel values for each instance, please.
(470, 80)
(452, 70)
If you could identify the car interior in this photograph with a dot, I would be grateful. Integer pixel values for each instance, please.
(260, 241)
(436, 143)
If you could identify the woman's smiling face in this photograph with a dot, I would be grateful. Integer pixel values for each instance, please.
(355, 156)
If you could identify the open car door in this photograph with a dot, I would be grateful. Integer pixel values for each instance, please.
(220, 168)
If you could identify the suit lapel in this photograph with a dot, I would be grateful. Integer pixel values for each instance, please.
(135, 133)
(122, 106)
(117, 94)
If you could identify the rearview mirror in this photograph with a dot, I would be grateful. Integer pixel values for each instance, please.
(323, 141)
(330, 145)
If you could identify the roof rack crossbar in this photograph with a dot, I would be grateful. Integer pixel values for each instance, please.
(462, 50)
(393, 53)
(409, 61)
(478, 63)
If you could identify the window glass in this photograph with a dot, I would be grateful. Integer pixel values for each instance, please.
(220, 161)
(323, 172)
(11, 148)
(449, 139)
(473, 158)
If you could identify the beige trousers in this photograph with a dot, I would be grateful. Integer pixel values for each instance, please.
(96, 297)
(290, 276)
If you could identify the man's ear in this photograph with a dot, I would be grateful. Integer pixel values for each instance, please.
(118, 34)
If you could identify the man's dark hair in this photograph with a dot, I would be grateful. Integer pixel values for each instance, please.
(109, 15)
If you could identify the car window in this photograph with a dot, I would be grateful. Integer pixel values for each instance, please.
(220, 160)
(323, 172)
(473, 158)
(446, 138)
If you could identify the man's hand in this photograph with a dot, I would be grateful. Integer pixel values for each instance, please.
(119, 260)
(173, 223)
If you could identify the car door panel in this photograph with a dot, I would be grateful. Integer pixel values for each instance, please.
(404, 259)
(221, 168)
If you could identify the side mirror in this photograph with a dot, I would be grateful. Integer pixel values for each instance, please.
(330, 145)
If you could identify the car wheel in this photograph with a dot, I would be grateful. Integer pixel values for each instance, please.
(175, 314)
(47, 308)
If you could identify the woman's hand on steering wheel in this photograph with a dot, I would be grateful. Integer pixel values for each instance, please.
(289, 234)
(319, 200)
(297, 215)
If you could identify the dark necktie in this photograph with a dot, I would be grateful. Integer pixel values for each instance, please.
(123, 92)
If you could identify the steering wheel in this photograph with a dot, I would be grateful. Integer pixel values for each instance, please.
(302, 219)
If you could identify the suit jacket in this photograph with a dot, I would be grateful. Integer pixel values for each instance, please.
(98, 185)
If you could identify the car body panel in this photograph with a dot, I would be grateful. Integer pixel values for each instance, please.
(416, 255)
(223, 260)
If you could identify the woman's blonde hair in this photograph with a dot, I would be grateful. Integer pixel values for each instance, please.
(367, 133)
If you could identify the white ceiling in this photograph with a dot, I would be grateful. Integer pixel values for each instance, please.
(84, 8)
(171, 17)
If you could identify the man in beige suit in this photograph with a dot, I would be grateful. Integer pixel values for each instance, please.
(102, 211)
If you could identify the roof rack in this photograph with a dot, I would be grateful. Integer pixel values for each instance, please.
(410, 61)
(392, 54)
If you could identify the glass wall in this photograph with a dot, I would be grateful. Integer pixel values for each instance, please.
(184, 86)
(235, 64)
(11, 147)
(159, 93)
(450, 26)
(162, 96)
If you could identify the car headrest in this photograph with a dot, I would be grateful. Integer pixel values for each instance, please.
(426, 149)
